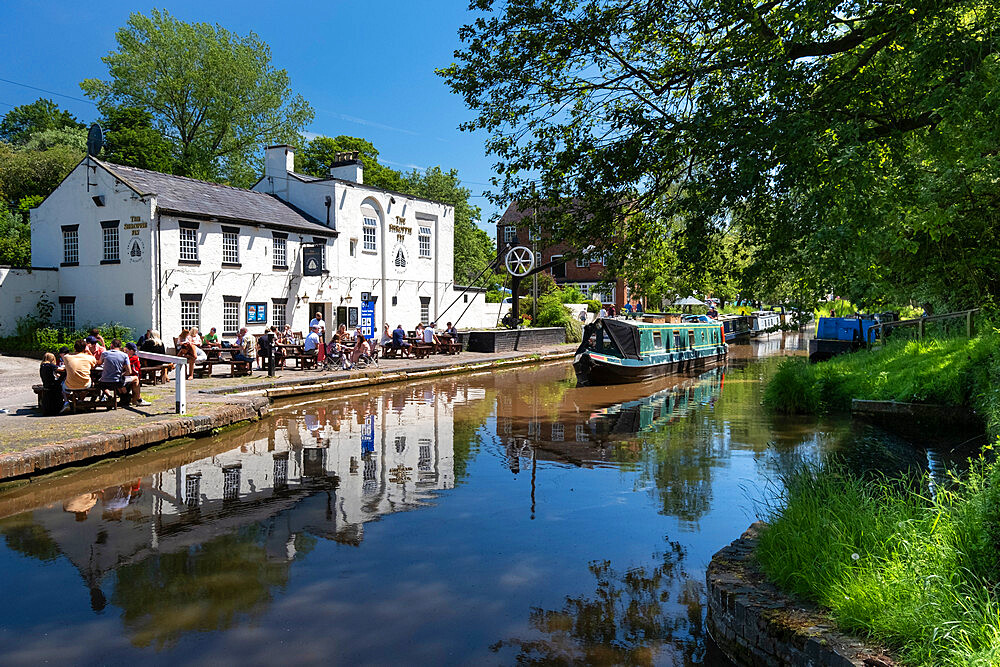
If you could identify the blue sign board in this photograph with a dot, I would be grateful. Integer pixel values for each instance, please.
(368, 319)
(256, 313)
(368, 435)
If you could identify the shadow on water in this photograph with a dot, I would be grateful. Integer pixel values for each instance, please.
(496, 517)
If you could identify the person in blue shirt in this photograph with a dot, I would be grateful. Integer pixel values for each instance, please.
(399, 341)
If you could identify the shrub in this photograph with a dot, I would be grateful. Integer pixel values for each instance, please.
(593, 305)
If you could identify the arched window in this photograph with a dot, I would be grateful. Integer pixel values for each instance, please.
(369, 228)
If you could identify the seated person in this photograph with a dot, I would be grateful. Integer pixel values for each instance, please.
(195, 339)
(49, 371)
(336, 353)
(451, 331)
(187, 349)
(117, 373)
(248, 347)
(311, 343)
(386, 339)
(95, 349)
(361, 346)
(430, 335)
(399, 341)
(211, 339)
(286, 334)
(96, 333)
(153, 343)
(78, 367)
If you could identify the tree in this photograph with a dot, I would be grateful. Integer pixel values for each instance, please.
(130, 139)
(20, 123)
(26, 173)
(320, 154)
(857, 136)
(214, 94)
(15, 239)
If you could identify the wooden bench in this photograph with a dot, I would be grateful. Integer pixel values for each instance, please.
(421, 350)
(303, 361)
(236, 368)
(91, 399)
(154, 373)
(450, 347)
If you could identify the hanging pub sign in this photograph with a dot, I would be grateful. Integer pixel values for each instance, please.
(312, 260)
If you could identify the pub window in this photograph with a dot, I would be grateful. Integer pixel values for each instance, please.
(109, 230)
(230, 315)
(278, 312)
(189, 242)
(67, 312)
(424, 239)
(509, 234)
(190, 311)
(425, 309)
(71, 244)
(230, 245)
(279, 255)
(368, 228)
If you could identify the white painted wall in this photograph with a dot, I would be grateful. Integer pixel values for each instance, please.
(20, 292)
(99, 288)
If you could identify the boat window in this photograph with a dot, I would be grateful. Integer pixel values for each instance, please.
(604, 344)
(691, 338)
(678, 342)
(657, 340)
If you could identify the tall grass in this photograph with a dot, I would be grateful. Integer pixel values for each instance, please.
(917, 573)
(958, 371)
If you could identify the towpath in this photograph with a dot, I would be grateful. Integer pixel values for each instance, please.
(31, 443)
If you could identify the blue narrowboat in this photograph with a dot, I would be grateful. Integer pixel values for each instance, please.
(736, 327)
(619, 351)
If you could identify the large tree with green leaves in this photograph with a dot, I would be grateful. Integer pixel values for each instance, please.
(21, 122)
(131, 139)
(214, 94)
(854, 143)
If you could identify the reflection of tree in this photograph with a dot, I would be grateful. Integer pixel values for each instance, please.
(205, 587)
(23, 535)
(624, 622)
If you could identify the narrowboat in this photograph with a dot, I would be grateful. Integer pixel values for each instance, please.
(735, 327)
(762, 320)
(619, 351)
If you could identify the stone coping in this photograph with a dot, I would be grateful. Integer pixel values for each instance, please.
(45, 458)
(756, 624)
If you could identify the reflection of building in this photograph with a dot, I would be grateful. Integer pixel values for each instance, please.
(321, 472)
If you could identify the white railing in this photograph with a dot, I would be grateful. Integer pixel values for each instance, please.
(180, 376)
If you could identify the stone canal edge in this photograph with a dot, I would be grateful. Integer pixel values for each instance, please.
(241, 404)
(754, 623)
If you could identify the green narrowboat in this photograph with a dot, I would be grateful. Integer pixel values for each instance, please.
(619, 351)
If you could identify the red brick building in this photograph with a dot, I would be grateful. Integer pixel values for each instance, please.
(586, 274)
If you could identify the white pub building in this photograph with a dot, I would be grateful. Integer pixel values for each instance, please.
(152, 250)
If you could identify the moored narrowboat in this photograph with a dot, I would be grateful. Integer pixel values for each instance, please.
(619, 352)
(736, 327)
(762, 321)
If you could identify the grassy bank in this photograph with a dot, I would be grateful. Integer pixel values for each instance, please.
(919, 574)
(957, 371)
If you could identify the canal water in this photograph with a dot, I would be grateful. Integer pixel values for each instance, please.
(492, 518)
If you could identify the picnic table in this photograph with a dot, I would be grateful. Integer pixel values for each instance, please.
(296, 351)
(215, 357)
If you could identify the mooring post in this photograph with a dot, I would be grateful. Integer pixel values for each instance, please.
(920, 329)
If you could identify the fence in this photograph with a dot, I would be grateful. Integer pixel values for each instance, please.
(879, 332)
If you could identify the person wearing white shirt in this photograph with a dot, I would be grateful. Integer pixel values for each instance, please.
(319, 325)
(603, 313)
(429, 334)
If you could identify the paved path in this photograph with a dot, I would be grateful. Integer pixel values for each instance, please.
(22, 426)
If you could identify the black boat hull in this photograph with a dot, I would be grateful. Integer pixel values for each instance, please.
(592, 372)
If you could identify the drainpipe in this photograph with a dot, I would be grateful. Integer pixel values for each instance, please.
(159, 278)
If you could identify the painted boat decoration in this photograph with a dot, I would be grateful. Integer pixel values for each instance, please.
(618, 351)
(762, 320)
(735, 327)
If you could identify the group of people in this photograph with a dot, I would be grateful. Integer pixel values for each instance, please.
(75, 370)
(397, 338)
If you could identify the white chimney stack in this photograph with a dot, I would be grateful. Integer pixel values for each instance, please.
(279, 160)
(347, 166)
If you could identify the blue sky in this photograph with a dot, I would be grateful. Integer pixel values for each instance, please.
(367, 68)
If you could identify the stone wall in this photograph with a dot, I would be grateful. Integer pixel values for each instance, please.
(756, 624)
(507, 340)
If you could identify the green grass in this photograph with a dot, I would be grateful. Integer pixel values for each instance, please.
(918, 573)
(958, 371)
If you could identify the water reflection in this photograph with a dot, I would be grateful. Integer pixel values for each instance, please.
(556, 523)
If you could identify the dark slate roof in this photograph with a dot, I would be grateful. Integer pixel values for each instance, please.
(189, 196)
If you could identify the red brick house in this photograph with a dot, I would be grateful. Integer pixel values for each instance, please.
(586, 274)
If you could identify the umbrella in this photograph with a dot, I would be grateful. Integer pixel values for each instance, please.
(689, 301)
